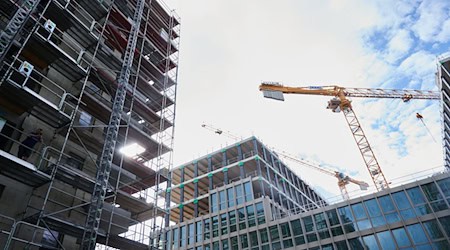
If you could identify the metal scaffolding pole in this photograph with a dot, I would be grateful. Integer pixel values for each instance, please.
(16, 23)
(98, 195)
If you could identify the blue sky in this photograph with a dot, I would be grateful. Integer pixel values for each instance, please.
(229, 47)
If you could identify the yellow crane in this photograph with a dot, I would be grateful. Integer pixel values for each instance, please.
(339, 102)
(343, 179)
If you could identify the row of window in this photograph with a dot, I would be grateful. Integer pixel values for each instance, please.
(230, 197)
(427, 235)
(219, 225)
(398, 206)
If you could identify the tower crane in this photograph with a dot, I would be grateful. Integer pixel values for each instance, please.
(343, 179)
(220, 131)
(339, 102)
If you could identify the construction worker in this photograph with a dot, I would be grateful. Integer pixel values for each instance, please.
(28, 144)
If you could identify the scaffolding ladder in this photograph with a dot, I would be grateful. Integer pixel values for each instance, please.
(15, 25)
(99, 193)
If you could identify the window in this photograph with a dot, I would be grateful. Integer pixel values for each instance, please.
(388, 209)
(248, 191)
(263, 235)
(168, 243)
(286, 234)
(244, 241)
(434, 197)
(386, 240)
(347, 219)
(403, 205)
(207, 229)
(216, 245)
(356, 244)
(239, 195)
(370, 242)
(230, 192)
(183, 236)
(341, 245)
(401, 237)
(332, 217)
(241, 214)
(417, 234)
(358, 211)
(207, 247)
(234, 243)
(418, 200)
(274, 234)
(175, 238)
(433, 229)
(232, 216)
(85, 119)
(260, 213)
(199, 233)
(321, 226)
(50, 239)
(251, 216)
(225, 245)
(298, 232)
(307, 221)
(214, 207)
(254, 240)
(445, 186)
(223, 199)
(215, 226)
(285, 230)
(320, 221)
(431, 192)
(191, 234)
(223, 224)
(445, 222)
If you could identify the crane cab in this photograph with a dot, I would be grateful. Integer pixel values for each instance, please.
(335, 105)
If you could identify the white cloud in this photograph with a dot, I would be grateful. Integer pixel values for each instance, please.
(228, 47)
(432, 15)
(444, 35)
(399, 45)
(418, 64)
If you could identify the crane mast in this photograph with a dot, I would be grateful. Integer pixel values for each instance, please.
(274, 90)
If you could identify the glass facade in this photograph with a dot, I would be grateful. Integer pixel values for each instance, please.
(416, 217)
(263, 205)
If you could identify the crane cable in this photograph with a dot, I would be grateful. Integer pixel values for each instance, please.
(420, 117)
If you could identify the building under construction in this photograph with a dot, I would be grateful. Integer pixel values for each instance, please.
(87, 110)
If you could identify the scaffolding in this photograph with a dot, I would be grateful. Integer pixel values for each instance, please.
(93, 178)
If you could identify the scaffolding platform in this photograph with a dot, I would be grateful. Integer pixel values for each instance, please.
(101, 108)
(48, 53)
(140, 209)
(31, 101)
(21, 171)
(75, 21)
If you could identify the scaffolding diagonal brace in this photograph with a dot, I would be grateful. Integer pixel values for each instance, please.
(103, 172)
